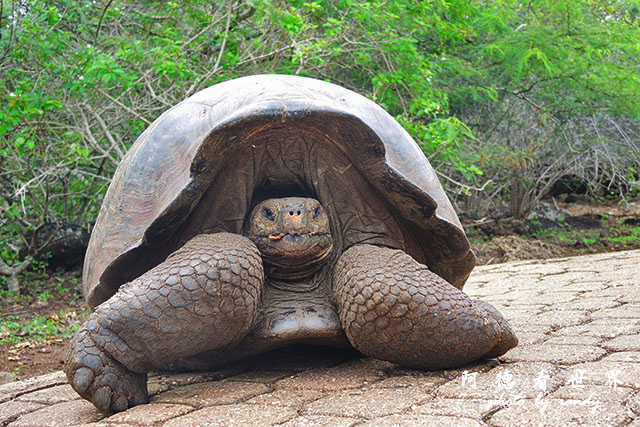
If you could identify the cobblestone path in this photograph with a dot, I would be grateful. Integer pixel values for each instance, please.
(578, 363)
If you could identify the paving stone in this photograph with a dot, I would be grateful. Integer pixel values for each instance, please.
(633, 296)
(549, 298)
(520, 325)
(424, 382)
(625, 291)
(14, 408)
(211, 393)
(606, 328)
(633, 404)
(623, 343)
(154, 387)
(590, 303)
(586, 283)
(153, 414)
(470, 408)
(623, 356)
(368, 404)
(571, 340)
(16, 388)
(265, 377)
(560, 412)
(556, 353)
(516, 295)
(52, 395)
(560, 318)
(7, 377)
(299, 358)
(541, 267)
(234, 415)
(76, 412)
(294, 399)
(422, 420)
(344, 376)
(160, 382)
(520, 311)
(619, 312)
(493, 288)
(568, 279)
(320, 421)
(593, 392)
(526, 337)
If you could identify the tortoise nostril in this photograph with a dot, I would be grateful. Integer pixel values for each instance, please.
(291, 213)
(298, 212)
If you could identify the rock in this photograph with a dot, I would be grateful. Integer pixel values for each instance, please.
(590, 221)
(549, 211)
(66, 249)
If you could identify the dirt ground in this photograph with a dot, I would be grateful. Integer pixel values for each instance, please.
(46, 310)
(585, 228)
(494, 240)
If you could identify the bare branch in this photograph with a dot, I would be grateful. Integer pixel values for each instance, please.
(215, 69)
(94, 143)
(127, 109)
(114, 143)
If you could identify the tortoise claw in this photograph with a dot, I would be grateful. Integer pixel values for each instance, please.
(102, 380)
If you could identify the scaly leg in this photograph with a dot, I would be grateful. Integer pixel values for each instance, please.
(203, 297)
(393, 308)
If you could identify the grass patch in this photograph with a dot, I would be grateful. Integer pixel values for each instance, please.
(615, 232)
(623, 239)
(16, 329)
(46, 309)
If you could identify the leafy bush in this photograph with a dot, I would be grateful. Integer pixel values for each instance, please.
(507, 88)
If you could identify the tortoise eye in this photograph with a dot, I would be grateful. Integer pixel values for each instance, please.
(268, 213)
(316, 213)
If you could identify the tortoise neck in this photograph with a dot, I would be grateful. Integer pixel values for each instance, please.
(303, 284)
(292, 274)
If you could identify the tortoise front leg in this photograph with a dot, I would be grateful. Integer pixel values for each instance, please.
(203, 297)
(393, 308)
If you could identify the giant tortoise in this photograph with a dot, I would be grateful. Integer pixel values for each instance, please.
(266, 211)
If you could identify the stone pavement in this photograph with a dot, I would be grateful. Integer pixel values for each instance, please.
(578, 363)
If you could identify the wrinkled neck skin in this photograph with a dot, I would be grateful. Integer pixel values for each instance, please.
(294, 238)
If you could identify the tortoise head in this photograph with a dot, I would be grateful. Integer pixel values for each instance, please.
(293, 235)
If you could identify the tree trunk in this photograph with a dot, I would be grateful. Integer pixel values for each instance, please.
(517, 193)
(13, 283)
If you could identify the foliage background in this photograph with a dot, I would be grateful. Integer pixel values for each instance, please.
(505, 97)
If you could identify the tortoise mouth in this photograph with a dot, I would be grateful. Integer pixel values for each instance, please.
(293, 236)
(294, 249)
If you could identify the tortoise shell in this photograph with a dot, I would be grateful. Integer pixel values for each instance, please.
(203, 164)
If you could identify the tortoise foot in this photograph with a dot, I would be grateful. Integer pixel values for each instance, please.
(506, 339)
(102, 380)
(393, 308)
(203, 297)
